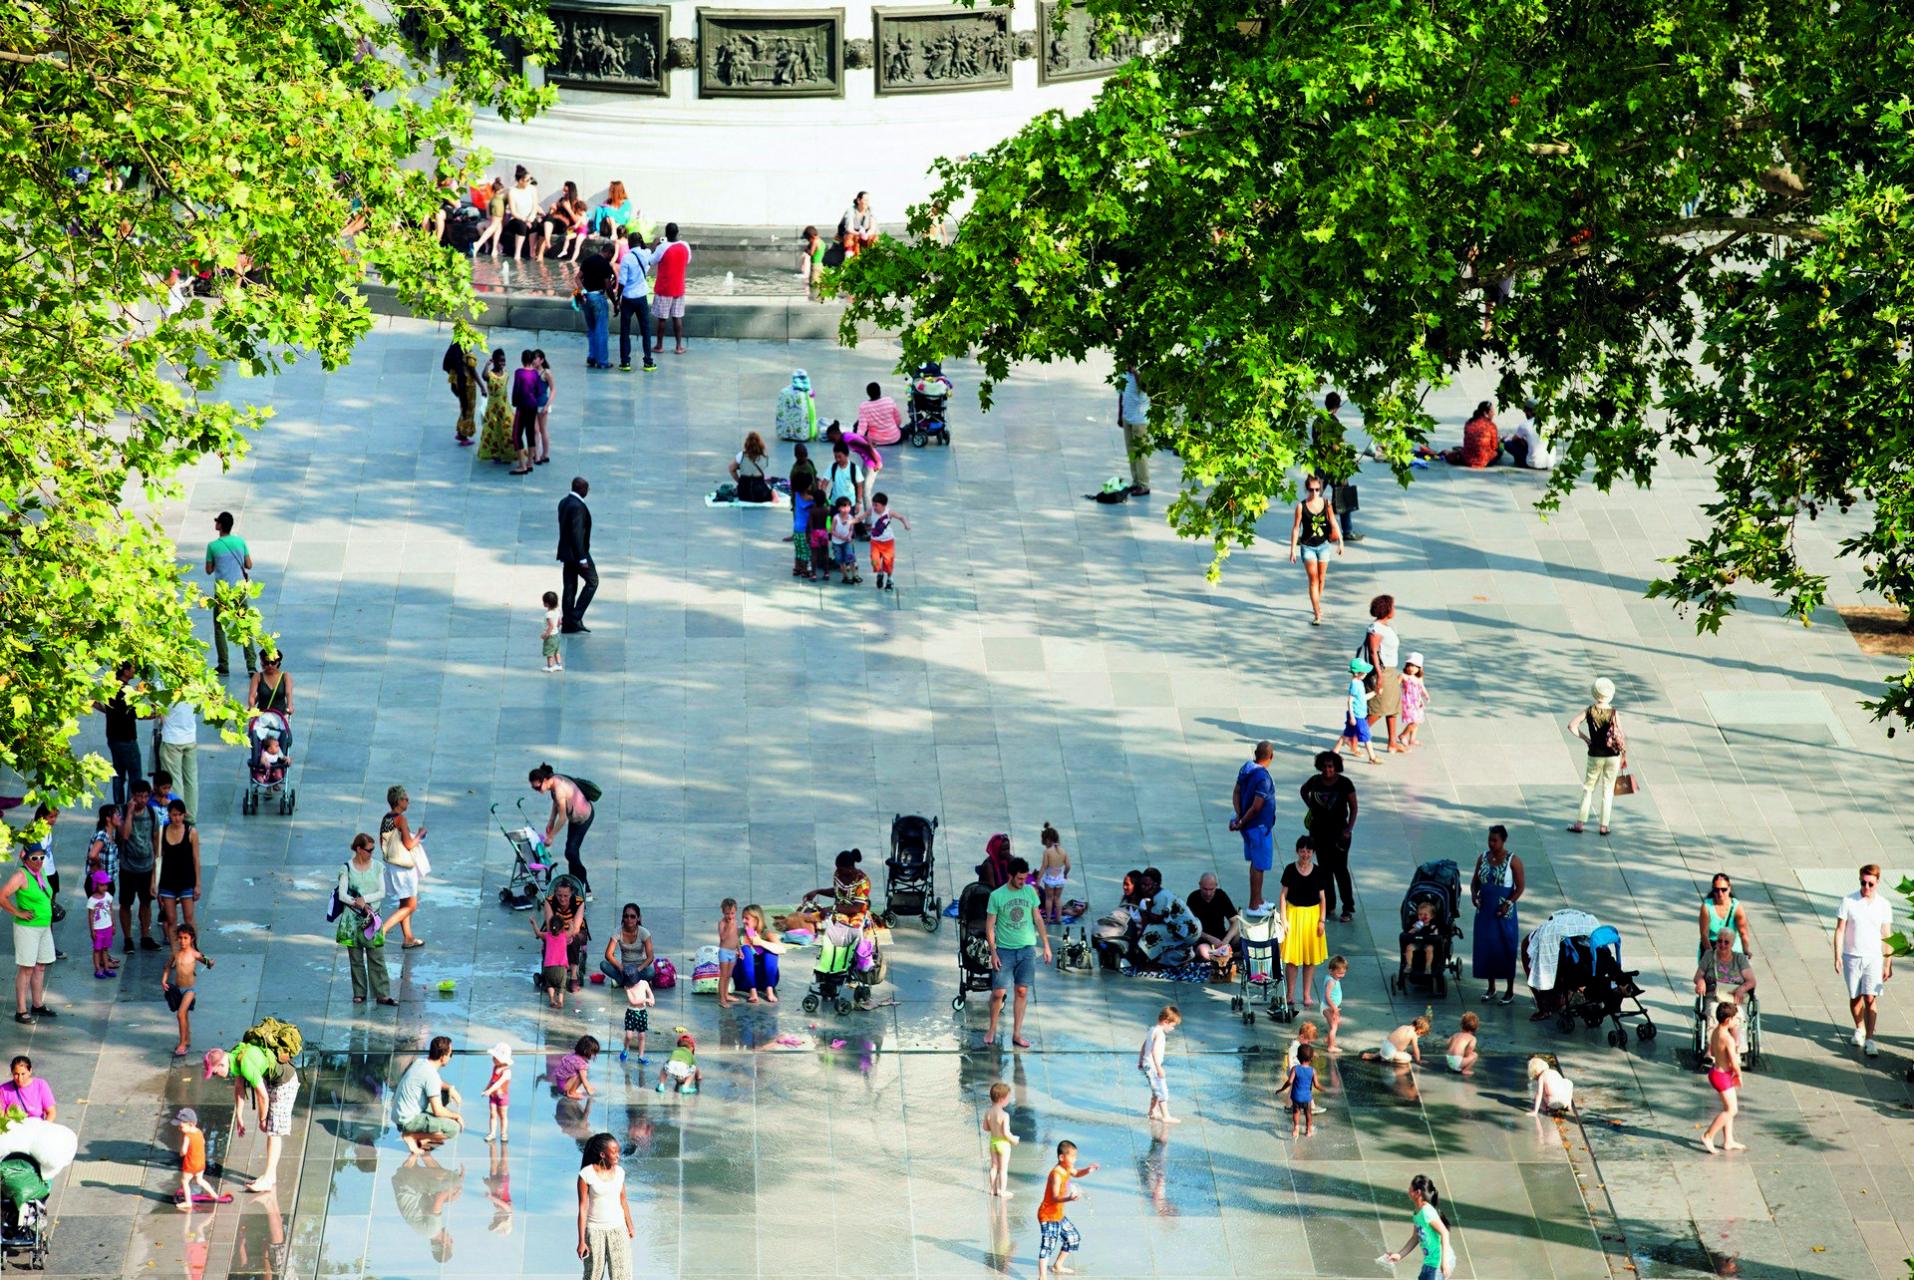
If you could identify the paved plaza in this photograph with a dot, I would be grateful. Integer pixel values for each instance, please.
(1044, 659)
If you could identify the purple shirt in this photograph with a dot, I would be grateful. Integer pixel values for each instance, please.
(567, 1066)
(525, 386)
(36, 1099)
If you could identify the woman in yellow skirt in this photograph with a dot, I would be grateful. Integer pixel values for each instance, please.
(1301, 904)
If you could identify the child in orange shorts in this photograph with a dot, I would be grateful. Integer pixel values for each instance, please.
(884, 541)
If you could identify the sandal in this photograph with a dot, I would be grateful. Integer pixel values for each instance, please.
(389, 1002)
(358, 999)
(413, 945)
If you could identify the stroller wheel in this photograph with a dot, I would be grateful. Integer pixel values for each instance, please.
(957, 1004)
(918, 439)
(890, 919)
(930, 920)
(1618, 1039)
(505, 897)
(808, 1004)
(843, 1006)
(1564, 1020)
(1236, 1004)
(1249, 1017)
(1646, 1031)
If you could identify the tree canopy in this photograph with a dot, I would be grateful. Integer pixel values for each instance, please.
(1686, 214)
(273, 148)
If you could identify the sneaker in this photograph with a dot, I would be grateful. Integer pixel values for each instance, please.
(649, 367)
(661, 1084)
(1353, 537)
(1139, 491)
(1871, 1049)
(1860, 1036)
(625, 368)
(890, 584)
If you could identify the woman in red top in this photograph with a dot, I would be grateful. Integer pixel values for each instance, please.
(1481, 442)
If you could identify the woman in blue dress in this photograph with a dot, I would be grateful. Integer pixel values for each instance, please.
(1494, 889)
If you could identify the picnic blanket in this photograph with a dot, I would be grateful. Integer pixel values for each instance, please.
(780, 501)
(1194, 971)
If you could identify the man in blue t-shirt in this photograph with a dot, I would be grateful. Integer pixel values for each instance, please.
(1253, 805)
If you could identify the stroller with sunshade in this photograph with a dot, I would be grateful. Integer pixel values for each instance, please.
(973, 948)
(1575, 970)
(1427, 947)
(1262, 933)
(268, 762)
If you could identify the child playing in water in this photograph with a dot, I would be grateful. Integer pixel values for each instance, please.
(681, 1069)
(727, 949)
(638, 1002)
(1149, 1060)
(1332, 1000)
(498, 1093)
(1305, 1039)
(178, 979)
(556, 963)
(1460, 1052)
(1052, 874)
(1402, 1046)
(1300, 1081)
(996, 1127)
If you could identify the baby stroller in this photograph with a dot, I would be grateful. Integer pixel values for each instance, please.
(266, 775)
(1262, 935)
(973, 949)
(929, 396)
(531, 877)
(1439, 886)
(32, 1154)
(910, 873)
(1591, 985)
(847, 958)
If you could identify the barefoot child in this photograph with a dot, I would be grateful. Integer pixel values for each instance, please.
(1725, 1076)
(1149, 1060)
(176, 982)
(727, 949)
(1355, 716)
(192, 1162)
(99, 918)
(1460, 1052)
(555, 964)
(1300, 1081)
(1058, 1236)
(1053, 874)
(1332, 1000)
(1402, 1046)
(548, 638)
(498, 1093)
(884, 541)
(1305, 1039)
(638, 1002)
(996, 1126)
(1415, 700)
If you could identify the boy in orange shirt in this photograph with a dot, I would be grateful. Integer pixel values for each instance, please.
(192, 1162)
(1059, 1236)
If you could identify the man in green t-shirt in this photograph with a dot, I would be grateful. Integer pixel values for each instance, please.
(256, 1070)
(1012, 929)
(228, 561)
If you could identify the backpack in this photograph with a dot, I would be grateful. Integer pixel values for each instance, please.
(664, 974)
(1371, 681)
(1116, 489)
(282, 1040)
(589, 789)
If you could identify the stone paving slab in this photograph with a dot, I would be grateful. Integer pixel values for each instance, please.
(1045, 659)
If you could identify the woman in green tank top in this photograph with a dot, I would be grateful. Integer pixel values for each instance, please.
(28, 898)
(1720, 910)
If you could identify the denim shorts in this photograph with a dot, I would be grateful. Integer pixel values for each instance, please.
(1314, 555)
(1017, 967)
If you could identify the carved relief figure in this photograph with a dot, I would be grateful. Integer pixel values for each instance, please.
(898, 59)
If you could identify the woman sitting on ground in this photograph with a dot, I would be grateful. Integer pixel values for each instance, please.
(611, 216)
(1481, 441)
(751, 470)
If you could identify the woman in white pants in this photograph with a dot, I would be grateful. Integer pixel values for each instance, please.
(1600, 727)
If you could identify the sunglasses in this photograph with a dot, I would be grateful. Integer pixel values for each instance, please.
(1315, 488)
(1865, 880)
(1722, 888)
(36, 857)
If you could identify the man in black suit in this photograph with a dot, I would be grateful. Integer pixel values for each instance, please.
(574, 552)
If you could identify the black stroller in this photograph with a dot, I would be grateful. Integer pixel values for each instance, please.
(910, 873)
(929, 402)
(1437, 885)
(1591, 986)
(973, 948)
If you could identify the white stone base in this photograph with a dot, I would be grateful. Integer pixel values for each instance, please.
(726, 162)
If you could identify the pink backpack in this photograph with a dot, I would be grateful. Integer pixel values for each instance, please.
(664, 974)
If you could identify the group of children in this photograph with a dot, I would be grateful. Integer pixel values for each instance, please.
(824, 537)
(1355, 717)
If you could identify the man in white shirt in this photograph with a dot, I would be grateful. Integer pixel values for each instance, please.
(1527, 446)
(179, 752)
(1133, 412)
(1860, 953)
(634, 299)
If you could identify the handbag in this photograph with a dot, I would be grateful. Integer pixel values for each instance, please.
(392, 849)
(1345, 497)
(1625, 784)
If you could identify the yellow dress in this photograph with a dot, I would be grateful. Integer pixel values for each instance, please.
(495, 442)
